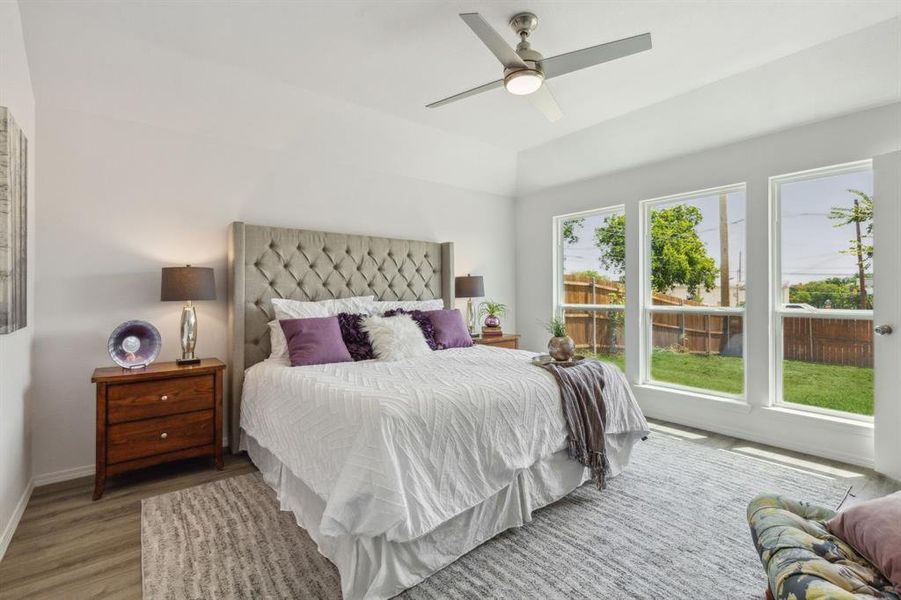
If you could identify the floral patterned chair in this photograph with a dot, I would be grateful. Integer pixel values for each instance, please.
(803, 561)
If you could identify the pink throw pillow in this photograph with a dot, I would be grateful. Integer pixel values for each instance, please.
(873, 528)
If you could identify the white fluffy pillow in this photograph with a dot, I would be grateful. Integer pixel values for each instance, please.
(383, 306)
(297, 309)
(395, 338)
(277, 341)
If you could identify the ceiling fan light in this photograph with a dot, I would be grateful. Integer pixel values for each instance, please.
(523, 82)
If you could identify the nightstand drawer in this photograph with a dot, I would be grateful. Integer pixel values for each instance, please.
(158, 398)
(128, 441)
(508, 340)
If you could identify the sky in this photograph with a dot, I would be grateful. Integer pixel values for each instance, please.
(811, 243)
(584, 255)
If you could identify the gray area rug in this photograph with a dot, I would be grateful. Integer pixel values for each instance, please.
(672, 526)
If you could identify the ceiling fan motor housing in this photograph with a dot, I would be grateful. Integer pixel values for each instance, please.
(524, 24)
(533, 72)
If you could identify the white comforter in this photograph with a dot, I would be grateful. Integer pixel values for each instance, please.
(397, 448)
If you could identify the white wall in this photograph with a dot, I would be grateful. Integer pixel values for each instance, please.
(858, 136)
(16, 348)
(854, 72)
(120, 199)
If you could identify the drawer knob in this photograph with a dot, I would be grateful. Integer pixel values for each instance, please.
(164, 397)
(164, 435)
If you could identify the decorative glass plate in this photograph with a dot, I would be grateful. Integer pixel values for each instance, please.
(546, 359)
(134, 344)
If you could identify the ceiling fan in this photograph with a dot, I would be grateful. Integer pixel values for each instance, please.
(526, 71)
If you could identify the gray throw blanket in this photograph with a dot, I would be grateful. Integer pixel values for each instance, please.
(582, 395)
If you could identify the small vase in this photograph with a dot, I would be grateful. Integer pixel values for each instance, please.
(492, 321)
(561, 348)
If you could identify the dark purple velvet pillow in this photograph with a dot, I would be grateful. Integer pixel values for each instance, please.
(314, 341)
(355, 339)
(450, 330)
(425, 324)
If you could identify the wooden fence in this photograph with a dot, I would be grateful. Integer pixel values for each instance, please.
(829, 341)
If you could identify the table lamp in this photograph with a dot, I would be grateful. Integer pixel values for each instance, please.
(187, 284)
(469, 287)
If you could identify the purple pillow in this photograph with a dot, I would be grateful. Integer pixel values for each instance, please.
(450, 330)
(425, 324)
(355, 339)
(314, 341)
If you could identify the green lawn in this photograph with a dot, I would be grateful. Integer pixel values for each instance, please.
(829, 386)
(848, 389)
(714, 372)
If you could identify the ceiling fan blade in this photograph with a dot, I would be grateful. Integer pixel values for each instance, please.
(467, 93)
(544, 101)
(491, 38)
(595, 55)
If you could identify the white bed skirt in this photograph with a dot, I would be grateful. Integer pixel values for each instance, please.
(376, 568)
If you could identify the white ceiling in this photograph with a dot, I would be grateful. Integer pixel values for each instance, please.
(394, 57)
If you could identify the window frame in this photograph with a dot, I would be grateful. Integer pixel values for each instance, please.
(561, 307)
(778, 312)
(647, 307)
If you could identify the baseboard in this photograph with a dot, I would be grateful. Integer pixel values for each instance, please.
(10, 528)
(64, 475)
(75, 473)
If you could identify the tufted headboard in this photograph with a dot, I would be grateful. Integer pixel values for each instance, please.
(275, 262)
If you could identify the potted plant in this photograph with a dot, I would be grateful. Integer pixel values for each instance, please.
(492, 311)
(561, 347)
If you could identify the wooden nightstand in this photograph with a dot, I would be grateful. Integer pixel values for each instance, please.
(158, 414)
(508, 340)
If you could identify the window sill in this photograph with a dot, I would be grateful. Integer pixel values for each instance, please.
(862, 424)
(735, 402)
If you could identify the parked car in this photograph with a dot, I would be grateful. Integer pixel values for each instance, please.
(801, 306)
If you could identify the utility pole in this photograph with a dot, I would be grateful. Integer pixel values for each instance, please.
(724, 252)
(724, 276)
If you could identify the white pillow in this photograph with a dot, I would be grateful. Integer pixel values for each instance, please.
(277, 341)
(395, 338)
(297, 309)
(382, 306)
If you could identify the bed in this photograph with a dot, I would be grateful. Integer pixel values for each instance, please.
(395, 469)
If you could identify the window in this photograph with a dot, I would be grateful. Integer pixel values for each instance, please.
(823, 269)
(694, 294)
(591, 291)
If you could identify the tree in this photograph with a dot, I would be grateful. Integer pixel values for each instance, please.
(570, 228)
(610, 239)
(840, 292)
(615, 319)
(678, 256)
(861, 247)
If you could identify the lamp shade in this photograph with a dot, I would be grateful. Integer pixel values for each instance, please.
(470, 286)
(187, 283)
